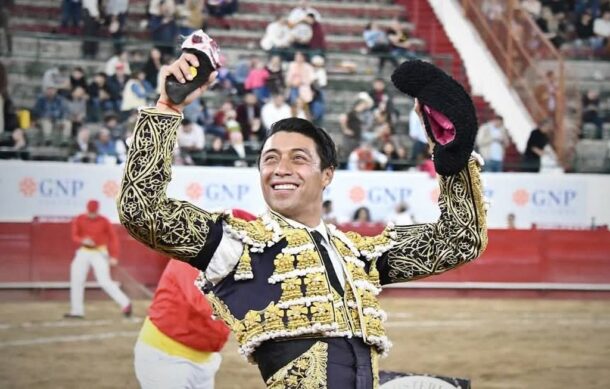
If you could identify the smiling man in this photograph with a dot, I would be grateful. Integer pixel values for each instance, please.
(299, 295)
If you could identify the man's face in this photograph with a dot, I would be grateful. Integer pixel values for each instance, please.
(291, 178)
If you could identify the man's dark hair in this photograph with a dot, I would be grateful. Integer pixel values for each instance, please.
(324, 144)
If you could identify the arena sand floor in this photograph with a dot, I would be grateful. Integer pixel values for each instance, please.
(497, 343)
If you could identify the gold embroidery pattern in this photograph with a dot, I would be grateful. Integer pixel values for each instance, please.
(308, 371)
(253, 232)
(172, 227)
(244, 266)
(458, 237)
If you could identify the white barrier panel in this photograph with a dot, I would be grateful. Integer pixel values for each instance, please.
(31, 189)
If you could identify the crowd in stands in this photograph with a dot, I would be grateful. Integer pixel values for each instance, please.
(91, 116)
(578, 27)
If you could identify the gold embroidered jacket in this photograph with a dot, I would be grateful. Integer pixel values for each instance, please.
(279, 288)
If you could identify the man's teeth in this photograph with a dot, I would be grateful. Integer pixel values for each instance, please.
(284, 186)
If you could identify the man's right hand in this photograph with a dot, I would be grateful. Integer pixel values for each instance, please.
(180, 69)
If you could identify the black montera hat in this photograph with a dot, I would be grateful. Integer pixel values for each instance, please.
(447, 109)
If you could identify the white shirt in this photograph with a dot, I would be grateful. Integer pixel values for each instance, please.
(601, 27)
(230, 249)
(416, 128)
(271, 114)
(195, 138)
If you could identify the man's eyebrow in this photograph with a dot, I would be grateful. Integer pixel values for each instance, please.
(295, 150)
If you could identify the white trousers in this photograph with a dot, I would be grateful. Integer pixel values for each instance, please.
(79, 269)
(158, 370)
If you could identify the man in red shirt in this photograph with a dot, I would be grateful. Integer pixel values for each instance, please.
(179, 343)
(99, 248)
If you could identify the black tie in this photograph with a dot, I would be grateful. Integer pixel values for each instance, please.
(330, 269)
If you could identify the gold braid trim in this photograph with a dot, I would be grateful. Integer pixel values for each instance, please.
(375, 367)
(459, 236)
(176, 228)
(308, 371)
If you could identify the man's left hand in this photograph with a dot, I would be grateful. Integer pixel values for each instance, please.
(113, 261)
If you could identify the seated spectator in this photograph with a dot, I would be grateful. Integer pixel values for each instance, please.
(116, 13)
(299, 78)
(78, 78)
(249, 118)
(328, 215)
(105, 148)
(191, 139)
(256, 82)
(379, 93)
(51, 112)
(301, 34)
(317, 43)
(534, 149)
(225, 80)
(57, 78)
(112, 124)
(100, 98)
(417, 133)
(15, 142)
(492, 140)
(365, 157)
(162, 25)
(237, 151)
(389, 150)
(591, 110)
(362, 215)
(401, 45)
(8, 113)
(275, 80)
(426, 165)
(378, 43)
(119, 60)
(584, 31)
(601, 29)
(226, 111)
(353, 124)
(215, 155)
(77, 108)
(153, 66)
(300, 109)
(277, 38)
(401, 215)
(300, 12)
(116, 85)
(82, 148)
(190, 16)
(92, 21)
(318, 106)
(135, 93)
(274, 110)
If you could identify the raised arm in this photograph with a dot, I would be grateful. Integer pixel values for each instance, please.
(459, 235)
(173, 227)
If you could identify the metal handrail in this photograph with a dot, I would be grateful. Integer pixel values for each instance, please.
(514, 51)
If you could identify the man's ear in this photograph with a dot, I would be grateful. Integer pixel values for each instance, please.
(327, 176)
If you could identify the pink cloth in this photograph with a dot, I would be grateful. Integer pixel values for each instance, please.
(256, 79)
(442, 128)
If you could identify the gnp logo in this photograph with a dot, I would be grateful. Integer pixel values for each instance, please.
(546, 198)
(217, 192)
(379, 195)
(52, 188)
